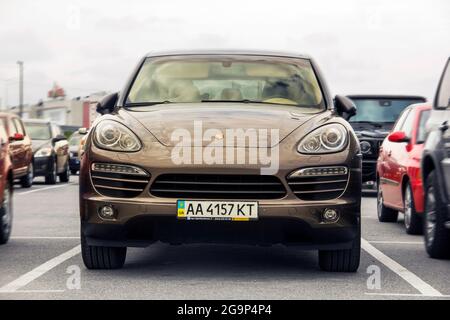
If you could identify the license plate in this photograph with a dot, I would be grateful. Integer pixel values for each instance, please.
(217, 210)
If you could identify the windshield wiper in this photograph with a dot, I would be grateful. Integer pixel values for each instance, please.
(247, 101)
(145, 104)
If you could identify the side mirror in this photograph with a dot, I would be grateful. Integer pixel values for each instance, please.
(108, 103)
(344, 107)
(58, 138)
(398, 136)
(82, 131)
(17, 137)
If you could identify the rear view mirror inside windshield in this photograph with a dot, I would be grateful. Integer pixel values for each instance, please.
(385, 103)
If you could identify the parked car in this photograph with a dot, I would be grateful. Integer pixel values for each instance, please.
(399, 177)
(134, 190)
(50, 150)
(74, 150)
(436, 172)
(376, 117)
(6, 185)
(20, 149)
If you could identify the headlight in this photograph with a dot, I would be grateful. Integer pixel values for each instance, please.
(366, 147)
(112, 135)
(327, 139)
(43, 152)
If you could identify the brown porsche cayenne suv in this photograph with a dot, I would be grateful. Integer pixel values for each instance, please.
(222, 147)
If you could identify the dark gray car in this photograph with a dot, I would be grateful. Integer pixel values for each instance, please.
(50, 150)
(436, 172)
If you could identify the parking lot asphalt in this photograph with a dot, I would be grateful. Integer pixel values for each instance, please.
(43, 261)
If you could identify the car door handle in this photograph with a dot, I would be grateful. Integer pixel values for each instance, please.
(444, 126)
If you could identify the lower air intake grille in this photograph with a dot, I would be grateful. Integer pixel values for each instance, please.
(318, 187)
(212, 186)
(117, 182)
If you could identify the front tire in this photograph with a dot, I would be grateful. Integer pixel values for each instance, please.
(344, 260)
(96, 257)
(27, 180)
(50, 178)
(65, 176)
(437, 237)
(385, 214)
(413, 222)
(6, 214)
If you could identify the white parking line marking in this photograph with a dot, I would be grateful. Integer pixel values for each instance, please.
(395, 242)
(34, 291)
(43, 189)
(403, 294)
(25, 279)
(45, 238)
(423, 287)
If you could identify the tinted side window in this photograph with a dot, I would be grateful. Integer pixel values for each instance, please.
(12, 127)
(19, 126)
(443, 98)
(407, 126)
(3, 134)
(401, 119)
(421, 132)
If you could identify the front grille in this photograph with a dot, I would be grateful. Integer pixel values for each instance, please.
(318, 187)
(217, 186)
(119, 184)
(374, 149)
(369, 168)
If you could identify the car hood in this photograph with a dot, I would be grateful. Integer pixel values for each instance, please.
(38, 144)
(369, 131)
(376, 134)
(163, 120)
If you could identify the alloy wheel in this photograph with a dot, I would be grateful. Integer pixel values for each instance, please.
(430, 214)
(6, 218)
(30, 174)
(379, 202)
(408, 207)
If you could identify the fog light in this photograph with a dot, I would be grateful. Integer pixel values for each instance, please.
(106, 212)
(330, 215)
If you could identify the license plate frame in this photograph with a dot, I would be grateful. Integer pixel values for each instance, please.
(221, 210)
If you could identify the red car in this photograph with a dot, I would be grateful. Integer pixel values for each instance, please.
(399, 178)
(6, 185)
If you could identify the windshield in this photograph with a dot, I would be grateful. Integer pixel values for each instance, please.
(260, 79)
(380, 110)
(74, 139)
(38, 131)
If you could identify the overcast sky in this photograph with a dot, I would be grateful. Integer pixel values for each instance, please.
(392, 46)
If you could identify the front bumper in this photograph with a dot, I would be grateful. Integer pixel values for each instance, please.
(145, 229)
(289, 220)
(143, 220)
(42, 166)
(74, 163)
(369, 170)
